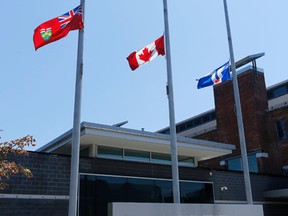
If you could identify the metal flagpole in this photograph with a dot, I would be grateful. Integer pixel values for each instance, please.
(174, 154)
(74, 171)
(239, 113)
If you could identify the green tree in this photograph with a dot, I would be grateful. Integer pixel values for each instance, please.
(8, 167)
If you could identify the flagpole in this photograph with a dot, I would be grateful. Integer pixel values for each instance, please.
(174, 154)
(74, 170)
(239, 113)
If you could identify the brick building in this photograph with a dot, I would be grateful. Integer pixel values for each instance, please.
(104, 180)
(124, 165)
(265, 117)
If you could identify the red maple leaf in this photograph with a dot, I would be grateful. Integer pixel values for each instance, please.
(145, 55)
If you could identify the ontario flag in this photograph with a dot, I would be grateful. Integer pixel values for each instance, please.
(219, 75)
(146, 54)
(58, 27)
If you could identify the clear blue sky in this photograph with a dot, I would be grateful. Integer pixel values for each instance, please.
(37, 88)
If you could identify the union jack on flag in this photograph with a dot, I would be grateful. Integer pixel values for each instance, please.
(66, 18)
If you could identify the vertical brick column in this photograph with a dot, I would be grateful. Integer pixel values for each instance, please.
(254, 102)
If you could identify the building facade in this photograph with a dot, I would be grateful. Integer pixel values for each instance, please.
(105, 180)
(265, 117)
(124, 165)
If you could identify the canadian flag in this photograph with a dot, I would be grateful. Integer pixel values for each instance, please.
(147, 54)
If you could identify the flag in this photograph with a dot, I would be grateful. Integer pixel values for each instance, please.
(58, 27)
(219, 75)
(146, 54)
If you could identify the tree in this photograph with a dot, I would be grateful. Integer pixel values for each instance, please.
(8, 167)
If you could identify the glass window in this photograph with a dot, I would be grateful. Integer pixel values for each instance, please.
(190, 124)
(281, 129)
(236, 164)
(110, 152)
(97, 191)
(252, 162)
(142, 190)
(185, 160)
(165, 187)
(159, 157)
(206, 118)
(136, 155)
(195, 193)
(277, 91)
(285, 170)
(197, 121)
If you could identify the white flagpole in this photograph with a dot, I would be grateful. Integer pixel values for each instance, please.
(174, 154)
(239, 113)
(74, 170)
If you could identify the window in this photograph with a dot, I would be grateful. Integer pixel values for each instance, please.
(96, 191)
(195, 193)
(252, 162)
(277, 91)
(136, 155)
(110, 152)
(236, 163)
(193, 122)
(285, 170)
(160, 157)
(281, 129)
(185, 160)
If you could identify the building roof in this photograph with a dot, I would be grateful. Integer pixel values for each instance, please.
(113, 136)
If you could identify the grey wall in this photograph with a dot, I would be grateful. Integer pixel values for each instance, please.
(51, 177)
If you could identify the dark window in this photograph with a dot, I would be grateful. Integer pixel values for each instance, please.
(195, 193)
(185, 160)
(110, 152)
(142, 190)
(197, 121)
(252, 162)
(277, 91)
(166, 195)
(136, 155)
(281, 130)
(193, 123)
(160, 157)
(285, 170)
(236, 164)
(97, 191)
(206, 118)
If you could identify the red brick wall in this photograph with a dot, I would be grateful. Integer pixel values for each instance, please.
(259, 125)
(253, 104)
(279, 149)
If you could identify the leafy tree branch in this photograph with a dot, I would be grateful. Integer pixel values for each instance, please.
(8, 167)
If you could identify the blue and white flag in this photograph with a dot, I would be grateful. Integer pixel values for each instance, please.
(219, 75)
